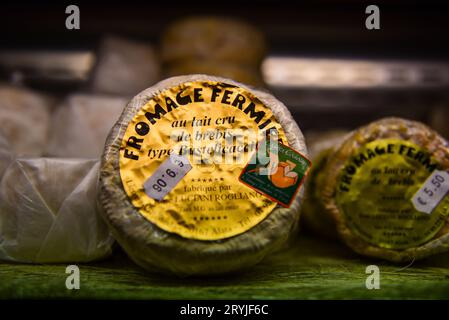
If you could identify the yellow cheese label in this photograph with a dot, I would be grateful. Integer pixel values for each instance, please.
(215, 127)
(375, 191)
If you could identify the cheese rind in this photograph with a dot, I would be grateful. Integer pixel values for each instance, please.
(156, 249)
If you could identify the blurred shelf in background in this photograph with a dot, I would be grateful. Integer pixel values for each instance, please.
(322, 62)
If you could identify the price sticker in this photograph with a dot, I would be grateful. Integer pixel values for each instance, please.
(167, 176)
(434, 189)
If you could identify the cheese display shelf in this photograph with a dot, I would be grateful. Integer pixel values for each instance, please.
(309, 269)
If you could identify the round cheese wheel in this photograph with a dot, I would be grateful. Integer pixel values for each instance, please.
(216, 39)
(386, 188)
(48, 212)
(208, 222)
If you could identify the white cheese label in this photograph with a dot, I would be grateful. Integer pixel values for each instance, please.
(432, 192)
(167, 176)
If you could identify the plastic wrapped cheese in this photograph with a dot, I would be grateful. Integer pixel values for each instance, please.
(24, 120)
(386, 188)
(124, 67)
(80, 125)
(313, 214)
(48, 212)
(173, 210)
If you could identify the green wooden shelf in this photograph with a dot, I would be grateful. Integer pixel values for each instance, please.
(309, 269)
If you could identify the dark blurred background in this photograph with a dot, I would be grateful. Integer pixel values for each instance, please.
(409, 29)
(322, 62)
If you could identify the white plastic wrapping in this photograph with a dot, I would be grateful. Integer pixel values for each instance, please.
(124, 67)
(48, 212)
(24, 120)
(80, 125)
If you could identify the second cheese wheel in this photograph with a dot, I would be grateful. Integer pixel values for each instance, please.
(209, 222)
(386, 188)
